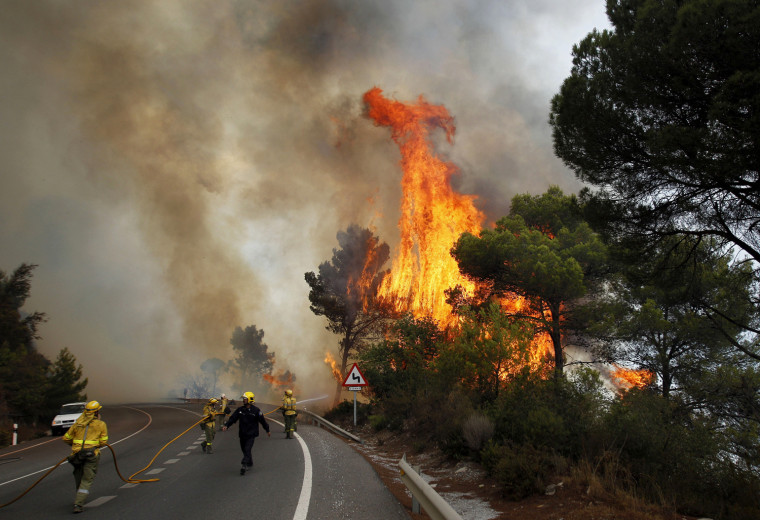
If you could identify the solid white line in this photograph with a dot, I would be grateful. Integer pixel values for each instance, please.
(303, 501)
(33, 446)
(302, 509)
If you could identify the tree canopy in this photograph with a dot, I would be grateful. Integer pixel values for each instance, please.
(660, 115)
(549, 262)
(253, 358)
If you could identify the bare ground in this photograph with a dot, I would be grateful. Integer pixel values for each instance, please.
(476, 496)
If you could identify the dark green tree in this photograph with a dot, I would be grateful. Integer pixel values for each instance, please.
(23, 370)
(660, 115)
(344, 291)
(653, 316)
(551, 259)
(65, 383)
(17, 331)
(253, 358)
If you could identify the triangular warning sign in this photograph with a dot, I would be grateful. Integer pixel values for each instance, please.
(355, 377)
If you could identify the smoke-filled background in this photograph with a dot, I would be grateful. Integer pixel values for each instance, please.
(175, 167)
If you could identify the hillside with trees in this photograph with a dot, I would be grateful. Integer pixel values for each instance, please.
(32, 388)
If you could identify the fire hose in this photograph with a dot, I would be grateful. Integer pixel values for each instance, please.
(130, 480)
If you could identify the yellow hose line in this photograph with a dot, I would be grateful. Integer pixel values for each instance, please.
(38, 481)
(130, 480)
(162, 449)
(273, 410)
(116, 466)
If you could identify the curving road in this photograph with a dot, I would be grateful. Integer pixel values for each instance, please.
(315, 476)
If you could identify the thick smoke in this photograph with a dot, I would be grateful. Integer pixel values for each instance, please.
(175, 167)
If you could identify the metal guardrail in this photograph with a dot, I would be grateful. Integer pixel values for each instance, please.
(435, 506)
(324, 423)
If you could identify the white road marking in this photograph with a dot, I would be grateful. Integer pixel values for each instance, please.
(128, 485)
(183, 453)
(303, 501)
(171, 461)
(302, 509)
(60, 439)
(154, 471)
(100, 501)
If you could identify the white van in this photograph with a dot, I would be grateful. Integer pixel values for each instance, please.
(69, 413)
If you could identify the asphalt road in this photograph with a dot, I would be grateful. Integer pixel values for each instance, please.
(315, 476)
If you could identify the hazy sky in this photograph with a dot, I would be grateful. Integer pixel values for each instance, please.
(175, 167)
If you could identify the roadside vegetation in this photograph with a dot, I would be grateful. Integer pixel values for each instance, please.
(613, 338)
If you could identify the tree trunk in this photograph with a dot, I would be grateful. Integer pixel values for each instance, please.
(345, 349)
(559, 358)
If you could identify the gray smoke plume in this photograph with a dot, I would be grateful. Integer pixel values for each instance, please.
(176, 167)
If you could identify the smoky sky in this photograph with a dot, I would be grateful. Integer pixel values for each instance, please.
(175, 167)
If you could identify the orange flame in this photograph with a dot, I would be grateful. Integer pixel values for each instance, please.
(626, 378)
(333, 367)
(279, 380)
(433, 215)
(363, 285)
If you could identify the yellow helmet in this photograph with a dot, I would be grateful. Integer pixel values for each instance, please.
(212, 401)
(92, 406)
(289, 393)
(249, 396)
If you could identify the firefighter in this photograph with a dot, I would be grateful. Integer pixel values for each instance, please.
(289, 413)
(224, 409)
(86, 436)
(250, 417)
(209, 425)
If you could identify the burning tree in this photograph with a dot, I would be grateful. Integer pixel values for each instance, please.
(345, 290)
(548, 258)
(654, 314)
(433, 214)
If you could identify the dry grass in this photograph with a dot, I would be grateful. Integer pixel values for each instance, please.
(607, 481)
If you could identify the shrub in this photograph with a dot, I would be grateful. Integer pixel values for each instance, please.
(442, 419)
(344, 412)
(522, 470)
(378, 422)
(477, 431)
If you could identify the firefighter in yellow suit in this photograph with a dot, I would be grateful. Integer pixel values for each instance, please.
(224, 409)
(209, 425)
(85, 436)
(289, 413)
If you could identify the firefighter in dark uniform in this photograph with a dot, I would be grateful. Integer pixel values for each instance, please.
(250, 417)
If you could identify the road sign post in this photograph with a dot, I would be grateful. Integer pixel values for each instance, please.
(354, 381)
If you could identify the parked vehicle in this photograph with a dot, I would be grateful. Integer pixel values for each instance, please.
(66, 417)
